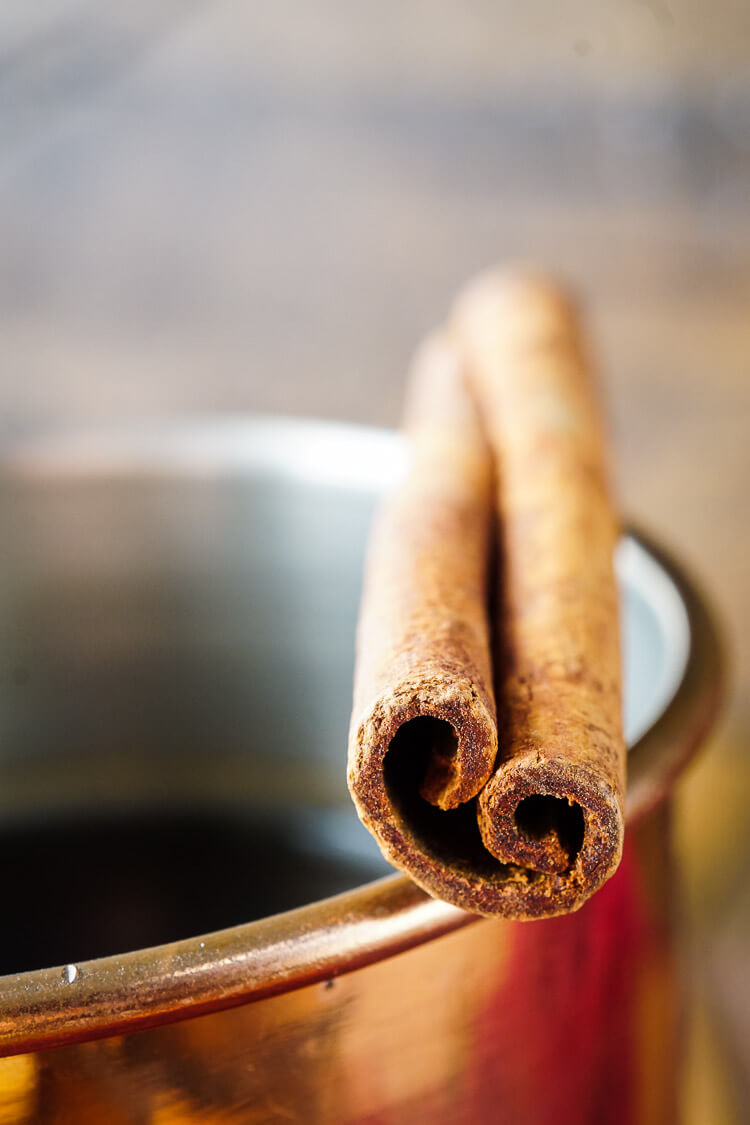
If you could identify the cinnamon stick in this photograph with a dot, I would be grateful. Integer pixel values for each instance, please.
(424, 675)
(555, 803)
(529, 471)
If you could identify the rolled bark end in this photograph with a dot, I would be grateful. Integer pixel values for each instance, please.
(423, 682)
(436, 746)
(542, 836)
(554, 817)
(537, 842)
(430, 749)
(502, 535)
(441, 784)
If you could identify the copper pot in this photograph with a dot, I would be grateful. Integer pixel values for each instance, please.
(179, 606)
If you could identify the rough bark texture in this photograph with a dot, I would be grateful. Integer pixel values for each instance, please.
(423, 640)
(555, 803)
(529, 473)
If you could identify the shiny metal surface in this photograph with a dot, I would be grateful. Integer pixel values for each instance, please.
(178, 606)
(569, 1020)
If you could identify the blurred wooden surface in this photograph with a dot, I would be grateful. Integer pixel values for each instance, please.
(233, 206)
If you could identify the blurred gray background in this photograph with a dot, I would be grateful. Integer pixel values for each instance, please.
(261, 207)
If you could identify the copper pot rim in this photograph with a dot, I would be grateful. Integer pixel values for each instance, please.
(315, 943)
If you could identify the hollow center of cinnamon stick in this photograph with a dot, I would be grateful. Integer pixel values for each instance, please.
(429, 747)
(423, 751)
(420, 747)
(542, 816)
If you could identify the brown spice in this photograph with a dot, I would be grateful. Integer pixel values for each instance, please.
(547, 827)
(423, 639)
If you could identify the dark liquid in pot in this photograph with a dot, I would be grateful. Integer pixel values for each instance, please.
(73, 890)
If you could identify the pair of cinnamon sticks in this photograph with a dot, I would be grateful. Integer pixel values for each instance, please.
(486, 751)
